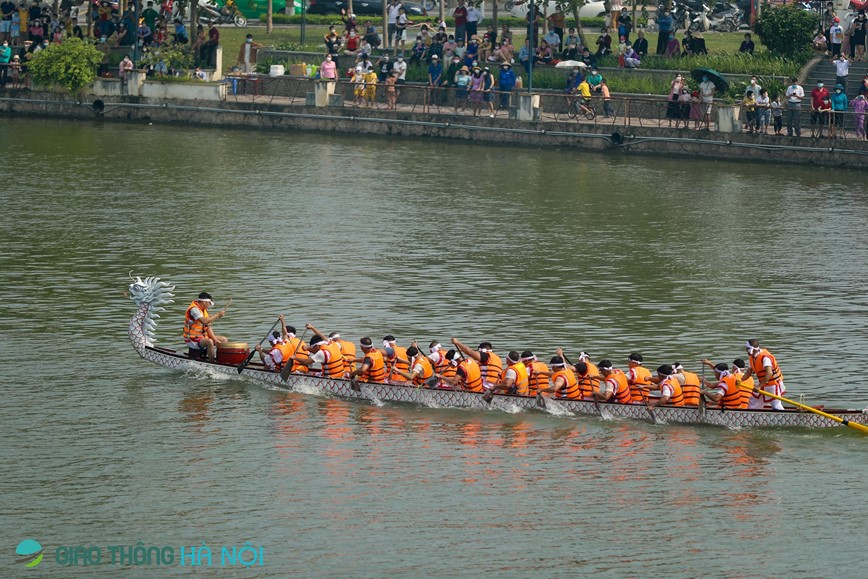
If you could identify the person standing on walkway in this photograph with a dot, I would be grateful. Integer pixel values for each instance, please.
(842, 70)
(794, 94)
(664, 27)
(394, 8)
(836, 37)
(706, 95)
(247, 54)
(860, 105)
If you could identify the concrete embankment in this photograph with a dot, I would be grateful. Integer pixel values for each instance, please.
(615, 139)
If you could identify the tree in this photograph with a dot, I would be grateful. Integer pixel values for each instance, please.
(573, 7)
(787, 31)
(72, 64)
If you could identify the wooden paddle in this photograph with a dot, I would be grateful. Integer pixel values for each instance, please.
(287, 368)
(249, 357)
(854, 425)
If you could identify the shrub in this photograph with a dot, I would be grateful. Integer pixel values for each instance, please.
(71, 64)
(174, 57)
(787, 31)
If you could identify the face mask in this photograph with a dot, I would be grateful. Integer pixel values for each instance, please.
(819, 85)
(837, 90)
(102, 39)
(249, 40)
(704, 79)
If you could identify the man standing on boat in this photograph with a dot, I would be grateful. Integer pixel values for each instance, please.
(768, 374)
(198, 334)
(615, 388)
(489, 363)
(373, 369)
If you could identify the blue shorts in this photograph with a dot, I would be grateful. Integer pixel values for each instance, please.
(5, 26)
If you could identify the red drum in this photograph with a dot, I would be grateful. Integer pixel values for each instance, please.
(232, 353)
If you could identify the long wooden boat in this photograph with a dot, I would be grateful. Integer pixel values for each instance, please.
(151, 294)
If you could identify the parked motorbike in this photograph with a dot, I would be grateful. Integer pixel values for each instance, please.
(726, 21)
(227, 14)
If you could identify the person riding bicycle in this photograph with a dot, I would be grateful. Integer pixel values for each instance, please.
(584, 90)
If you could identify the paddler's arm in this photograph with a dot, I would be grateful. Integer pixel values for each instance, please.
(316, 332)
(712, 394)
(261, 353)
(284, 334)
(554, 388)
(707, 362)
(467, 351)
(603, 395)
(303, 361)
(360, 370)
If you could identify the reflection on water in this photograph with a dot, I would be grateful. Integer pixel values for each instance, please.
(527, 249)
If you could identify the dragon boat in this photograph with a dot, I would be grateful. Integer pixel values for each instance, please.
(151, 295)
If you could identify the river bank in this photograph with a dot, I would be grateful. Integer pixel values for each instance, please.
(630, 133)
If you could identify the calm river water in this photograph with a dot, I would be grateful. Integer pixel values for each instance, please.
(531, 249)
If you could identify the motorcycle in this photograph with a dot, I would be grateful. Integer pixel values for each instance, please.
(725, 21)
(227, 14)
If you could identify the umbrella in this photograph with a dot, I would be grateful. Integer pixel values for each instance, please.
(570, 64)
(718, 79)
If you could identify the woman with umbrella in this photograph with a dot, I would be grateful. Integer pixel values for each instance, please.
(710, 81)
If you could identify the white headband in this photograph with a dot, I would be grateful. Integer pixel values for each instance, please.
(678, 367)
(435, 348)
(583, 356)
(605, 368)
(482, 350)
(334, 336)
(290, 335)
(751, 349)
(723, 373)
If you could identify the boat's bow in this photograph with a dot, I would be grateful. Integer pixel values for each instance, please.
(150, 295)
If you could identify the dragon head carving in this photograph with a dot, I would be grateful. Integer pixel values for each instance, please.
(150, 294)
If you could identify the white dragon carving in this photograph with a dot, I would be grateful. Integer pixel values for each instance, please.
(150, 294)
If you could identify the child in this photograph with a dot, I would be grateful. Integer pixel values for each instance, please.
(358, 86)
(859, 105)
(825, 111)
(684, 107)
(749, 104)
(777, 114)
(391, 91)
(15, 70)
(607, 100)
(696, 109)
(370, 87)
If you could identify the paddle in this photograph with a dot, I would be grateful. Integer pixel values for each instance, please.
(249, 357)
(854, 425)
(287, 369)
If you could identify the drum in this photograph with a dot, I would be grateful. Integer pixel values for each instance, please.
(232, 353)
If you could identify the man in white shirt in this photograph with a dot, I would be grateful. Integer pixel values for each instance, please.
(842, 69)
(706, 95)
(400, 67)
(794, 94)
(394, 7)
(474, 17)
(764, 366)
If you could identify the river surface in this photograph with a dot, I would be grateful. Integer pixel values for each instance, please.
(678, 259)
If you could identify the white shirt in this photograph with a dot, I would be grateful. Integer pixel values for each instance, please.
(666, 390)
(418, 369)
(473, 15)
(401, 68)
(842, 67)
(706, 89)
(320, 356)
(795, 94)
(273, 358)
(510, 373)
(196, 313)
(393, 12)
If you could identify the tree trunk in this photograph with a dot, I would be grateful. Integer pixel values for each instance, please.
(349, 8)
(579, 28)
(442, 10)
(385, 36)
(89, 16)
(269, 12)
(494, 17)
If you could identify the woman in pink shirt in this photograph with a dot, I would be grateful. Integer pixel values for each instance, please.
(328, 69)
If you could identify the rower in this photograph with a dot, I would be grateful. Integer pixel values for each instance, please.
(467, 374)
(198, 334)
(587, 374)
(689, 384)
(615, 387)
(436, 355)
(402, 362)
(297, 347)
(327, 354)
(390, 358)
(638, 378)
(564, 381)
(421, 368)
(489, 362)
(537, 373)
(726, 392)
(514, 379)
(373, 369)
(452, 360)
(276, 358)
(670, 389)
(752, 400)
(348, 349)
(768, 374)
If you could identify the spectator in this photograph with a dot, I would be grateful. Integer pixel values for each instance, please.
(505, 83)
(506, 52)
(706, 94)
(352, 44)
(402, 21)
(664, 28)
(842, 70)
(673, 108)
(625, 24)
(543, 53)
(747, 45)
(391, 91)
(332, 41)
(573, 80)
(441, 35)
(209, 47)
(673, 48)
(198, 46)
(836, 36)
(371, 36)
(460, 48)
(24, 17)
(860, 105)
(349, 21)
(358, 80)
(607, 99)
(824, 111)
(641, 45)
(328, 70)
(452, 71)
(400, 70)
(505, 33)
(487, 88)
(763, 112)
(462, 85)
(795, 93)
(435, 80)
(180, 36)
(7, 8)
(124, 68)
(145, 34)
(556, 28)
(364, 47)
(748, 102)
(863, 88)
(818, 95)
(460, 16)
(839, 107)
(553, 40)
(5, 61)
(572, 52)
(777, 114)
(474, 17)
(524, 55)
(604, 43)
(104, 48)
(15, 28)
(595, 80)
(587, 58)
(247, 54)
(533, 27)
(857, 36)
(417, 52)
(820, 43)
(631, 57)
(384, 68)
(449, 47)
(572, 38)
(472, 52)
(684, 107)
(393, 10)
(370, 86)
(150, 15)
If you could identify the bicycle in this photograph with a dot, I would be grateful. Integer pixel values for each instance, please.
(578, 108)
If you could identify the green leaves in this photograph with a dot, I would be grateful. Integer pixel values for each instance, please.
(72, 64)
(787, 31)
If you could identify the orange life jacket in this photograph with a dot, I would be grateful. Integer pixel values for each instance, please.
(536, 380)
(690, 389)
(441, 364)
(492, 370)
(400, 364)
(334, 366)
(570, 389)
(448, 371)
(677, 396)
(427, 369)
(285, 352)
(586, 385)
(520, 387)
(732, 398)
(745, 393)
(756, 362)
(194, 330)
(299, 349)
(621, 393)
(376, 367)
(349, 351)
(641, 377)
(471, 373)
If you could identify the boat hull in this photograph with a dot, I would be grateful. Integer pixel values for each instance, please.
(436, 397)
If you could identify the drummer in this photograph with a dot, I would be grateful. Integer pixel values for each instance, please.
(198, 334)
